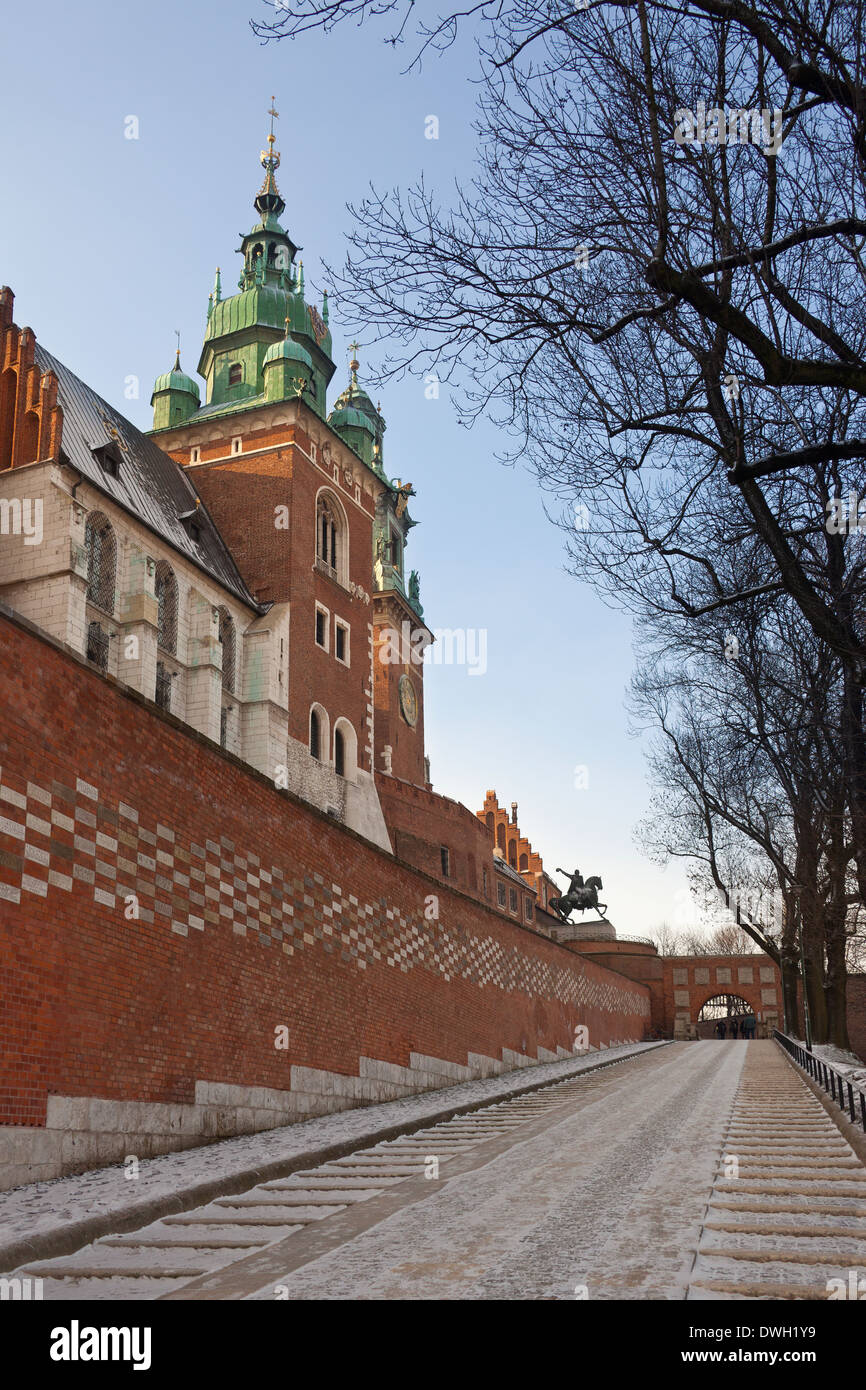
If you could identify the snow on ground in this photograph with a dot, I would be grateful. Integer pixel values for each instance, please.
(847, 1063)
(93, 1203)
(607, 1202)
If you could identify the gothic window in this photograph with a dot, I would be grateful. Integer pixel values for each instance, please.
(339, 753)
(445, 859)
(97, 646)
(491, 820)
(500, 836)
(326, 540)
(166, 597)
(512, 855)
(163, 687)
(101, 548)
(331, 538)
(236, 374)
(227, 638)
(524, 862)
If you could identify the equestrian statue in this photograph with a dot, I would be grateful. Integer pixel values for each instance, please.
(579, 897)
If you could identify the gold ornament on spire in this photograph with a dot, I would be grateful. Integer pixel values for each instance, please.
(270, 158)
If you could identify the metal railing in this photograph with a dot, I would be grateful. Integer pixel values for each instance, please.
(834, 1083)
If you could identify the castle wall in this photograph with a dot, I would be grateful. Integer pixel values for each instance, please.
(169, 919)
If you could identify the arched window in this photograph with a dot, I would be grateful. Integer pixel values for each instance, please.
(326, 534)
(166, 597)
(320, 732)
(524, 862)
(345, 750)
(500, 836)
(491, 820)
(227, 638)
(512, 854)
(315, 735)
(331, 537)
(101, 548)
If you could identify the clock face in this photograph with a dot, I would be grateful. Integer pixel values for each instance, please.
(408, 701)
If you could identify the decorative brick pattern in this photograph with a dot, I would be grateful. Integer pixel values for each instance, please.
(192, 887)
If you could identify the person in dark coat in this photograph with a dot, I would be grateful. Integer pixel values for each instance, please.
(749, 1027)
(722, 1029)
(733, 1027)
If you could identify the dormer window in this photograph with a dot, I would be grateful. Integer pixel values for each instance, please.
(236, 374)
(108, 456)
(190, 523)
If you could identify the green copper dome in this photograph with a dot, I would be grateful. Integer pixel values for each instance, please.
(175, 397)
(348, 415)
(287, 348)
(358, 421)
(175, 380)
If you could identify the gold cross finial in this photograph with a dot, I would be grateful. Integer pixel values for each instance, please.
(272, 113)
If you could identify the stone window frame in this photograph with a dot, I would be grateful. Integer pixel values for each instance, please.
(325, 613)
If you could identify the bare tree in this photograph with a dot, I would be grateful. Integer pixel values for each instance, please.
(657, 285)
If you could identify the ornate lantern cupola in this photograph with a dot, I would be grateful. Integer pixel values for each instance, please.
(268, 309)
(357, 420)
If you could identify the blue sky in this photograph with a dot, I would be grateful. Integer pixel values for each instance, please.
(110, 245)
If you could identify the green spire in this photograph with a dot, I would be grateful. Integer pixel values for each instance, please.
(269, 308)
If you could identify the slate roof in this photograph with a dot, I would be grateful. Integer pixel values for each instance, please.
(152, 487)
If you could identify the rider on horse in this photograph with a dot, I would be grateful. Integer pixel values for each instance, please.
(580, 896)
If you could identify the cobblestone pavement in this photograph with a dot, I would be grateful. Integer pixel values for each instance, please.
(616, 1184)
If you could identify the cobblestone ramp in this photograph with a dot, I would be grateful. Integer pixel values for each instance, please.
(787, 1214)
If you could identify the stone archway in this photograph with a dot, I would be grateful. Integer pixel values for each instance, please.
(731, 1007)
(690, 981)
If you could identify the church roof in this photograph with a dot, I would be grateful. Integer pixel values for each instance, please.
(150, 485)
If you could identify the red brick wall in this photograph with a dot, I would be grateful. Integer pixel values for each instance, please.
(392, 730)
(421, 822)
(242, 494)
(255, 912)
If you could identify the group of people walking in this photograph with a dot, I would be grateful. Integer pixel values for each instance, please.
(737, 1027)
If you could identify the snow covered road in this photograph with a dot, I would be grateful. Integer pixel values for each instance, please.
(619, 1184)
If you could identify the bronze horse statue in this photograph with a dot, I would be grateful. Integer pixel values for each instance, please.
(580, 896)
